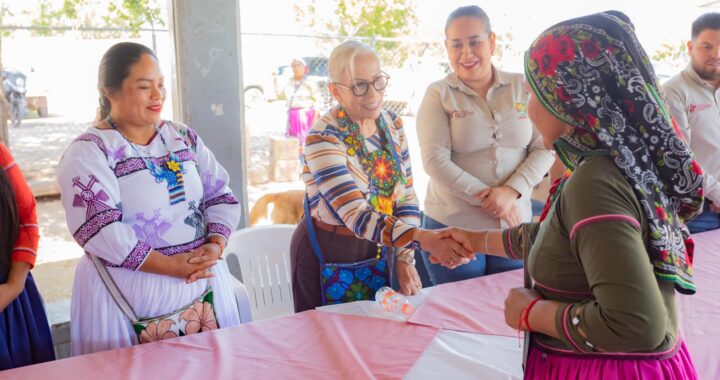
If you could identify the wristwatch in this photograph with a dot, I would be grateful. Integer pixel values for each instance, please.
(407, 258)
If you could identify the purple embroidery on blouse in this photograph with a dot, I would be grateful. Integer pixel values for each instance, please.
(193, 137)
(150, 230)
(135, 164)
(134, 259)
(210, 189)
(181, 248)
(96, 223)
(117, 154)
(94, 139)
(167, 251)
(88, 198)
(217, 228)
(227, 198)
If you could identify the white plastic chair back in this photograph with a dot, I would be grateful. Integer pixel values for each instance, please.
(264, 256)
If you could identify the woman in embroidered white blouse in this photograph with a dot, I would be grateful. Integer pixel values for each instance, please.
(148, 199)
(478, 146)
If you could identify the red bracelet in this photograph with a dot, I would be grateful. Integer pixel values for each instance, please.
(527, 314)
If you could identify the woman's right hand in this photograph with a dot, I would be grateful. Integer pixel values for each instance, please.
(443, 248)
(200, 254)
(192, 265)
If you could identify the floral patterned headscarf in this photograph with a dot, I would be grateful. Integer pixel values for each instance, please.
(592, 73)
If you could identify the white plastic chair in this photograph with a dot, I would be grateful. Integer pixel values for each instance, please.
(263, 254)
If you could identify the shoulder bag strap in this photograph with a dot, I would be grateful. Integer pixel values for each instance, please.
(311, 232)
(113, 289)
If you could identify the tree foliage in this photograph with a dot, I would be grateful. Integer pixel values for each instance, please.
(53, 17)
(362, 18)
(134, 15)
(671, 54)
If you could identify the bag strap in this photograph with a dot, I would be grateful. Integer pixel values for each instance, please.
(113, 289)
(311, 232)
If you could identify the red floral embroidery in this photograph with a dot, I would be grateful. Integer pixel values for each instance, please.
(544, 43)
(696, 168)
(562, 94)
(541, 54)
(590, 48)
(629, 106)
(591, 120)
(689, 251)
(563, 49)
(550, 51)
(660, 212)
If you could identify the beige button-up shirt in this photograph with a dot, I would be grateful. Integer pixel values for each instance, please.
(695, 105)
(469, 144)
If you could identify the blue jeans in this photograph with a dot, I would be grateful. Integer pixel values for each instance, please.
(483, 264)
(706, 221)
(537, 207)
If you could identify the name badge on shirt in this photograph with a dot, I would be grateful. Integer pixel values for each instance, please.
(698, 107)
(521, 110)
(460, 114)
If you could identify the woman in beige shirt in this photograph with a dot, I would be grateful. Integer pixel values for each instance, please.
(478, 146)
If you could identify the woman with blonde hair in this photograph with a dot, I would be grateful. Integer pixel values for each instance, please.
(361, 210)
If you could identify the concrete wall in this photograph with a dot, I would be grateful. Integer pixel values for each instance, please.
(208, 81)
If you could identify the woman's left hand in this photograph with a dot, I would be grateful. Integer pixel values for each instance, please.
(8, 293)
(408, 278)
(516, 300)
(498, 200)
(205, 252)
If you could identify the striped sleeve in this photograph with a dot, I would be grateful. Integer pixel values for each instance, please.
(327, 162)
(26, 244)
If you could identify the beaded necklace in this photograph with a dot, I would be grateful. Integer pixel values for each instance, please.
(170, 169)
(382, 166)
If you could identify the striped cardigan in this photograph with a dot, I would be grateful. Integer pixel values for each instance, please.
(337, 185)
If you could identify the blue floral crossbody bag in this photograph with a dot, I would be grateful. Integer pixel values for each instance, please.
(348, 282)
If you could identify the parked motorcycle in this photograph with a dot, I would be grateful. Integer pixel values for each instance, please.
(14, 89)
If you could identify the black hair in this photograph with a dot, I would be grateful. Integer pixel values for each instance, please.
(10, 222)
(115, 67)
(707, 21)
(469, 11)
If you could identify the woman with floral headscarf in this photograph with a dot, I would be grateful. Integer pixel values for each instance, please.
(612, 248)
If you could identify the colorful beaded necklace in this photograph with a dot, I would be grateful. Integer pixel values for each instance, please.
(382, 166)
(170, 170)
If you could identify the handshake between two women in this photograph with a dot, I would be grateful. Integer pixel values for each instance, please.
(452, 247)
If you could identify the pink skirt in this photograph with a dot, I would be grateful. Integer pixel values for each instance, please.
(550, 366)
(300, 120)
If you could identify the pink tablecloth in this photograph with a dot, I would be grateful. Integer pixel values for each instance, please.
(700, 313)
(476, 306)
(310, 345)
